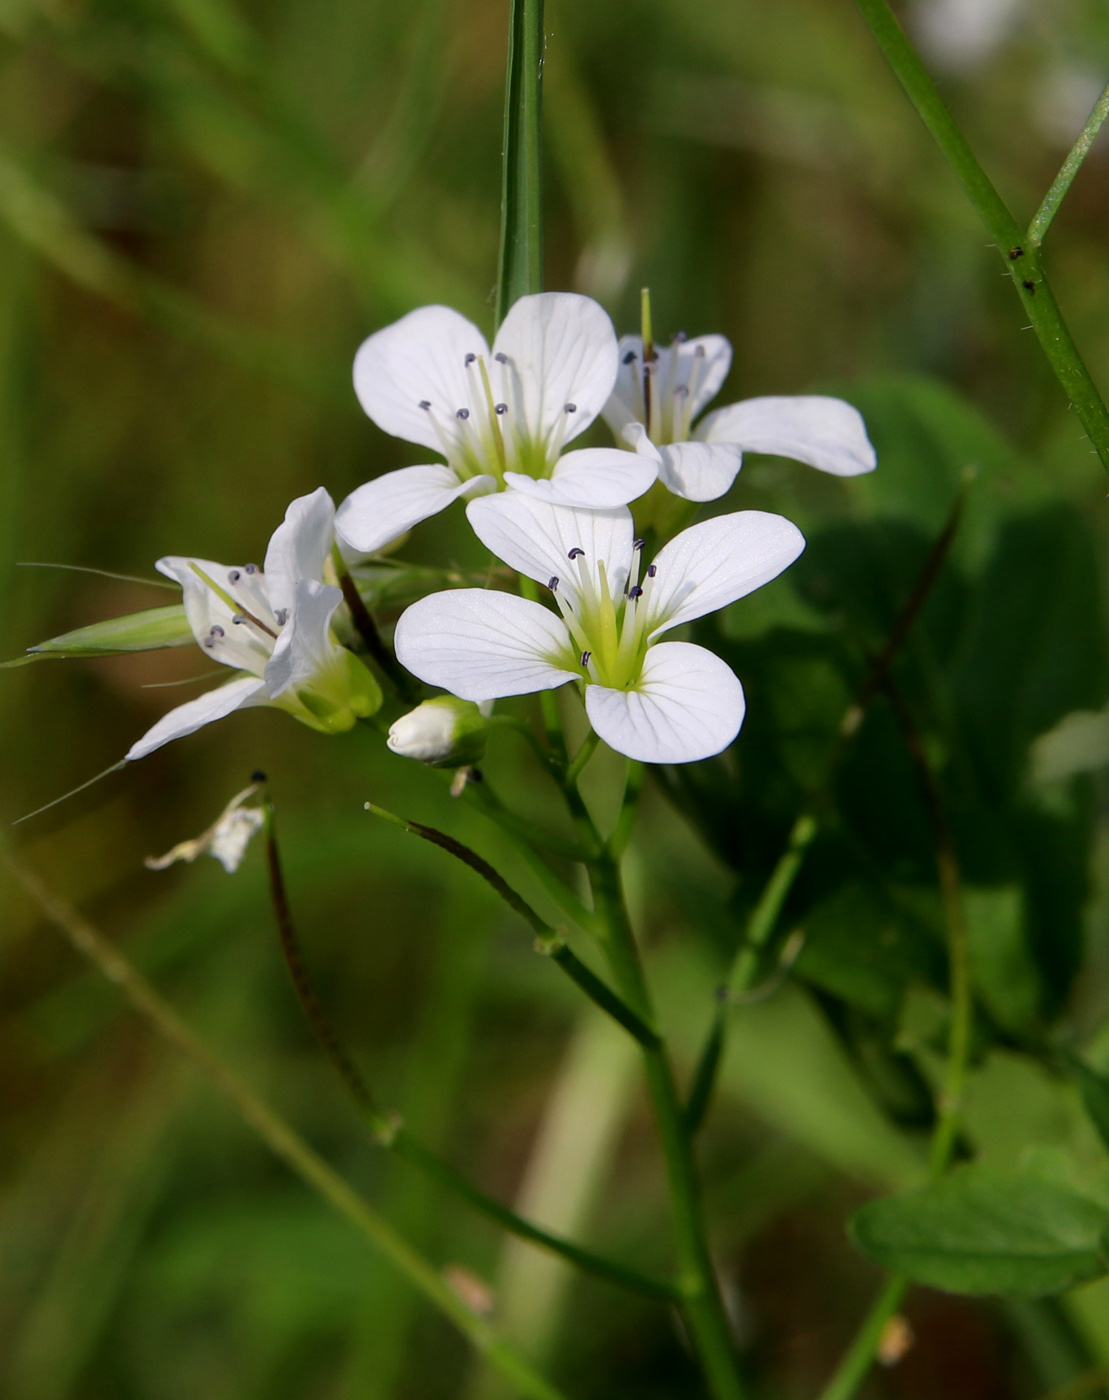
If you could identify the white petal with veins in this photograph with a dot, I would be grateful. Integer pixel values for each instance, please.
(594, 478)
(536, 537)
(187, 718)
(298, 547)
(699, 471)
(561, 350)
(823, 432)
(686, 705)
(386, 507)
(712, 564)
(481, 645)
(305, 648)
(420, 359)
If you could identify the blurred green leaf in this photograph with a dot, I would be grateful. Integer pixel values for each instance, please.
(1095, 1097)
(1002, 971)
(981, 1232)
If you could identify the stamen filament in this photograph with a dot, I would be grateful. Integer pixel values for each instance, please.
(494, 420)
(235, 606)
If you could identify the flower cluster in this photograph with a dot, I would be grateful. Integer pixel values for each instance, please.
(503, 418)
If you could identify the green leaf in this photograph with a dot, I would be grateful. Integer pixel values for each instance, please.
(1095, 1098)
(142, 631)
(521, 260)
(980, 1232)
(1001, 966)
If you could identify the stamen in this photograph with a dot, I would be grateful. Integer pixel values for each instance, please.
(500, 408)
(575, 553)
(463, 413)
(251, 568)
(652, 570)
(586, 657)
(282, 616)
(635, 592)
(571, 408)
(425, 404)
(638, 544)
(216, 631)
(493, 411)
(501, 358)
(470, 359)
(552, 583)
(234, 576)
(629, 358)
(239, 619)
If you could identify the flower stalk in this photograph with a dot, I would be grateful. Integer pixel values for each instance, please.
(521, 255)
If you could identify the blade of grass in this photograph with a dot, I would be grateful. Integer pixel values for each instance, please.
(521, 259)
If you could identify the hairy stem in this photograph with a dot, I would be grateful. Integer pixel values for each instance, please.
(1021, 255)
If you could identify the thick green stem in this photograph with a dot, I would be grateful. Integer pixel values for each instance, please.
(280, 1138)
(1020, 254)
(703, 1307)
(521, 259)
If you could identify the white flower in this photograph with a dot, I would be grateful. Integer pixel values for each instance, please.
(653, 406)
(500, 417)
(661, 702)
(274, 625)
(225, 840)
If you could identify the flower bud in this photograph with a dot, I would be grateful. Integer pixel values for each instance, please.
(445, 732)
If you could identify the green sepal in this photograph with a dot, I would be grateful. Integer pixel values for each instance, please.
(149, 630)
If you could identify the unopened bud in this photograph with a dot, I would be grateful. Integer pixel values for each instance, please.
(445, 732)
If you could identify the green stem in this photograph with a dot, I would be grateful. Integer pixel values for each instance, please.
(703, 1307)
(404, 684)
(859, 1358)
(548, 940)
(281, 1139)
(521, 257)
(1020, 255)
(853, 1369)
(1037, 229)
(744, 969)
(582, 757)
(391, 1133)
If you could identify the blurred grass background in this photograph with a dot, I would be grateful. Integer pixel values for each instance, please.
(203, 209)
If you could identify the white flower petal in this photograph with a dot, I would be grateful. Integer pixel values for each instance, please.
(560, 349)
(480, 645)
(304, 648)
(420, 359)
(597, 478)
(536, 537)
(299, 546)
(712, 564)
(239, 645)
(699, 471)
(687, 374)
(389, 505)
(827, 433)
(687, 705)
(187, 718)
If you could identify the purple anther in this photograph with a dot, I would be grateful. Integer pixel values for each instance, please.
(629, 358)
(552, 583)
(575, 552)
(501, 408)
(463, 413)
(470, 358)
(652, 570)
(586, 656)
(425, 404)
(571, 408)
